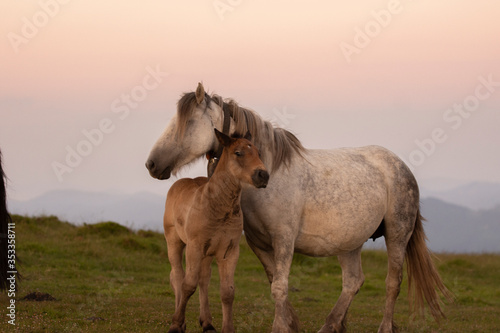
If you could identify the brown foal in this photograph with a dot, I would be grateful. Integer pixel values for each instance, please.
(204, 216)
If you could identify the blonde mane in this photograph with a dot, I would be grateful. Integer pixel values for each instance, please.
(282, 143)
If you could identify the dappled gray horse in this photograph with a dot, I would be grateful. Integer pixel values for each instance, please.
(317, 202)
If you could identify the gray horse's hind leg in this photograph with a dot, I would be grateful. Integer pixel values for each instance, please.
(267, 258)
(352, 280)
(399, 225)
(396, 240)
(393, 287)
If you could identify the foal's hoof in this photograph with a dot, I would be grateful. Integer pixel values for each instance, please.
(388, 329)
(209, 329)
(327, 329)
(177, 329)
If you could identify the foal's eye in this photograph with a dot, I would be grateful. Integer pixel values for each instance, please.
(238, 153)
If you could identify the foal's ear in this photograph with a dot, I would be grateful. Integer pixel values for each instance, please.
(200, 93)
(223, 138)
(248, 136)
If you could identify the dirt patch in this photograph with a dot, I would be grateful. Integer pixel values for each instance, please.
(38, 296)
(309, 299)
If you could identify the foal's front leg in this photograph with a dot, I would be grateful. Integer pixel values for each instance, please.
(227, 266)
(205, 315)
(193, 267)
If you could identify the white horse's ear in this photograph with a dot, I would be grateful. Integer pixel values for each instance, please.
(200, 93)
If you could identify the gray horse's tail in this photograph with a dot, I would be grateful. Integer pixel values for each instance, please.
(423, 278)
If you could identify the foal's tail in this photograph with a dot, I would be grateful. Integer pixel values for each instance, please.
(423, 277)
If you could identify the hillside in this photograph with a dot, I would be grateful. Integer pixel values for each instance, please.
(105, 277)
(449, 227)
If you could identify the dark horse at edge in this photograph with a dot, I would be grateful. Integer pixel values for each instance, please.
(6, 257)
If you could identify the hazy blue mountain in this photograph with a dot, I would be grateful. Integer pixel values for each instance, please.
(476, 195)
(449, 227)
(141, 210)
(454, 228)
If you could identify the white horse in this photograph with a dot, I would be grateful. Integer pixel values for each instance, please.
(317, 202)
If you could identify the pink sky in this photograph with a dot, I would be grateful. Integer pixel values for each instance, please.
(268, 56)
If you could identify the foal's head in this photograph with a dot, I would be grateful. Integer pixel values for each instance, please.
(242, 160)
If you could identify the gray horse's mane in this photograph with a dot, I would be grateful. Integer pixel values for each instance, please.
(282, 143)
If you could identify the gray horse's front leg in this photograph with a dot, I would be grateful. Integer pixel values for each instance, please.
(267, 260)
(285, 319)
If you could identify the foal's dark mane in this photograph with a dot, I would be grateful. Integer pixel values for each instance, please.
(282, 143)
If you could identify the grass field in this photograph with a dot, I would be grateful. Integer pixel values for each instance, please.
(105, 278)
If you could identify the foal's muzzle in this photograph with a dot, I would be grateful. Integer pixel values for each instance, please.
(260, 178)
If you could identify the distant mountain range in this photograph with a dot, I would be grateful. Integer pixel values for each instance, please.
(476, 195)
(465, 219)
(142, 210)
(453, 228)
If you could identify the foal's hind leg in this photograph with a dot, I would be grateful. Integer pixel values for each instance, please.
(352, 280)
(205, 315)
(193, 266)
(175, 248)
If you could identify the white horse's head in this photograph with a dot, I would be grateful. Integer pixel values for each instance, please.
(188, 136)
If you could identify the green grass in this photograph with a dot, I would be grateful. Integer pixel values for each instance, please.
(106, 278)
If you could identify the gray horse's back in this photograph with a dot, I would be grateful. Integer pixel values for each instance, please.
(347, 194)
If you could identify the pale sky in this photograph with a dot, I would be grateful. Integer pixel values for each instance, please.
(421, 78)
